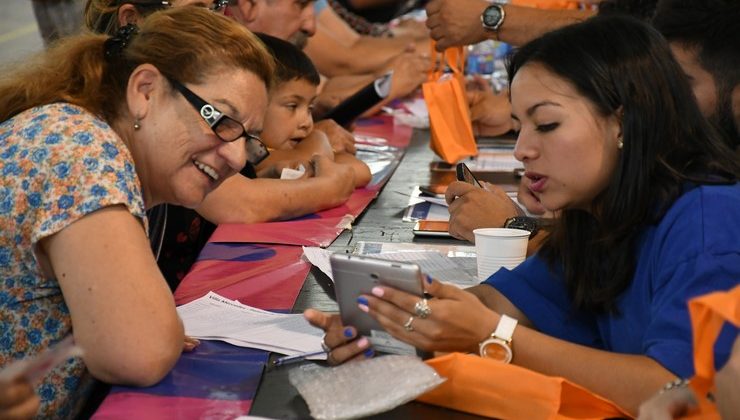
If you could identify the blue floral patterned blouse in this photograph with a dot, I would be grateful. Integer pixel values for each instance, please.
(58, 163)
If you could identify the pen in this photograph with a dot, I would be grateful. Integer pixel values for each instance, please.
(286, 360)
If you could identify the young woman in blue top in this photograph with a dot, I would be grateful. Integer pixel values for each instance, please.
(611, 137)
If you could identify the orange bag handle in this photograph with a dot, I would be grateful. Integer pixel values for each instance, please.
(454, 57)
(708, 315)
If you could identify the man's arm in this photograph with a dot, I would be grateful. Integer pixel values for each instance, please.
(243, 200)
(457, 22)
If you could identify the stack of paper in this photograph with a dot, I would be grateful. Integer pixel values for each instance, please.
(214, 317)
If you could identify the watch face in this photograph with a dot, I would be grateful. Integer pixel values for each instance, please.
(492, 16)
(496, 349)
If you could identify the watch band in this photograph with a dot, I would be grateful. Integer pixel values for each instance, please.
(505, 328)
(530, 224)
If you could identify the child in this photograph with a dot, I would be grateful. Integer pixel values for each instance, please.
(289, 130)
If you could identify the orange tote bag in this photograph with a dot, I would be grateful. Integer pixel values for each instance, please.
(449, 115)
(708, 314)
(489, 388)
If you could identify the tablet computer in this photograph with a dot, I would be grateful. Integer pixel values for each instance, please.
(355, 275)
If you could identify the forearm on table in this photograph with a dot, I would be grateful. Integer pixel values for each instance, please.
(626, 379)
(264, 200)
(363, 176)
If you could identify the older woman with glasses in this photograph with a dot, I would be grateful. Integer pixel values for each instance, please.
(178, 234)
(94, 132)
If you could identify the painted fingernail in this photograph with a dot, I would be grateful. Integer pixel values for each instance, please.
(369, 353)
(378, 291)
(362, 300)
(362, 343)
(348, 332)
(429, 279)
(363, 308)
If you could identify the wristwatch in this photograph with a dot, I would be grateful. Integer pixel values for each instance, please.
(524, 223)
(493, 17)
(498, 346)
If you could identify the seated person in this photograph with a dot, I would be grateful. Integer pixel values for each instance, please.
(95, 131)
(704, 38)
(296, 22)
(649, 204)
(288, 130)
(177, 233)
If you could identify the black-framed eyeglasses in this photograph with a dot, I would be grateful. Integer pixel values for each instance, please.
(226, 128)
(217, 5)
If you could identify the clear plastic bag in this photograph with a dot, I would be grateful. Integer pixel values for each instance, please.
(363, 388)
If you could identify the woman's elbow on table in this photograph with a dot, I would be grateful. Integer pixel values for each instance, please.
(141, 363)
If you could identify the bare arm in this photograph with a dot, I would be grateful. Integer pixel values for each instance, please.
(359, 168)
(457, 22)
(123, 313)
(625, 379)
(336, 49)
(243, 200)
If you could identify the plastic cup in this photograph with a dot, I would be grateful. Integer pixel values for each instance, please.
(499, 247)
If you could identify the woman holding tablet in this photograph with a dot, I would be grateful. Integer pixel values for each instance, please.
(612, 138)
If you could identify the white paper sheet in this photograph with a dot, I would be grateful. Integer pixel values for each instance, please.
(214, 317)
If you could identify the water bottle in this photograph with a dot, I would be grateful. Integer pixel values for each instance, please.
(481, 58)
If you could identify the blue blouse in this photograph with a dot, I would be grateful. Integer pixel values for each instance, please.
(693, 250)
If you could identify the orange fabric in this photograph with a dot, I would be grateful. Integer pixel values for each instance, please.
(489, 388)
(547, 4)
(708, 315)
(449, 115)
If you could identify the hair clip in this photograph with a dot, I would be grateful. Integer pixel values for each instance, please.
(115, 45)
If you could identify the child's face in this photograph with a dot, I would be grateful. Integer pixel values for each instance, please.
(288, 119)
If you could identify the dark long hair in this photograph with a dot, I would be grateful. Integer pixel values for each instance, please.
(624, 67)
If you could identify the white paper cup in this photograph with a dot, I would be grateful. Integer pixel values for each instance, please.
(499, 247)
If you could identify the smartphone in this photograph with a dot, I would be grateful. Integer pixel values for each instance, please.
(433, 190)
(355, 275)
(464, 174)
(432, 228)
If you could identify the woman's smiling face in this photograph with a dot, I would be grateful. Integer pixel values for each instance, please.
(178, 156)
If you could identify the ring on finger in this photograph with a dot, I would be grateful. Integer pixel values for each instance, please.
(324, 347)
(422, 309)
(407, 326)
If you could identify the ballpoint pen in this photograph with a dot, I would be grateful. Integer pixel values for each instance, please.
(286, 360)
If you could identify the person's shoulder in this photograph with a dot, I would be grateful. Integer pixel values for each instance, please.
(707, 199)
(708, 215)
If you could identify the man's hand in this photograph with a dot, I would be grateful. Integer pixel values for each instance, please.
(472, 208)
(455, 22)
(489, 112)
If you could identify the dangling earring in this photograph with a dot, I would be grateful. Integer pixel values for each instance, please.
(620, 143)
(137, 123)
